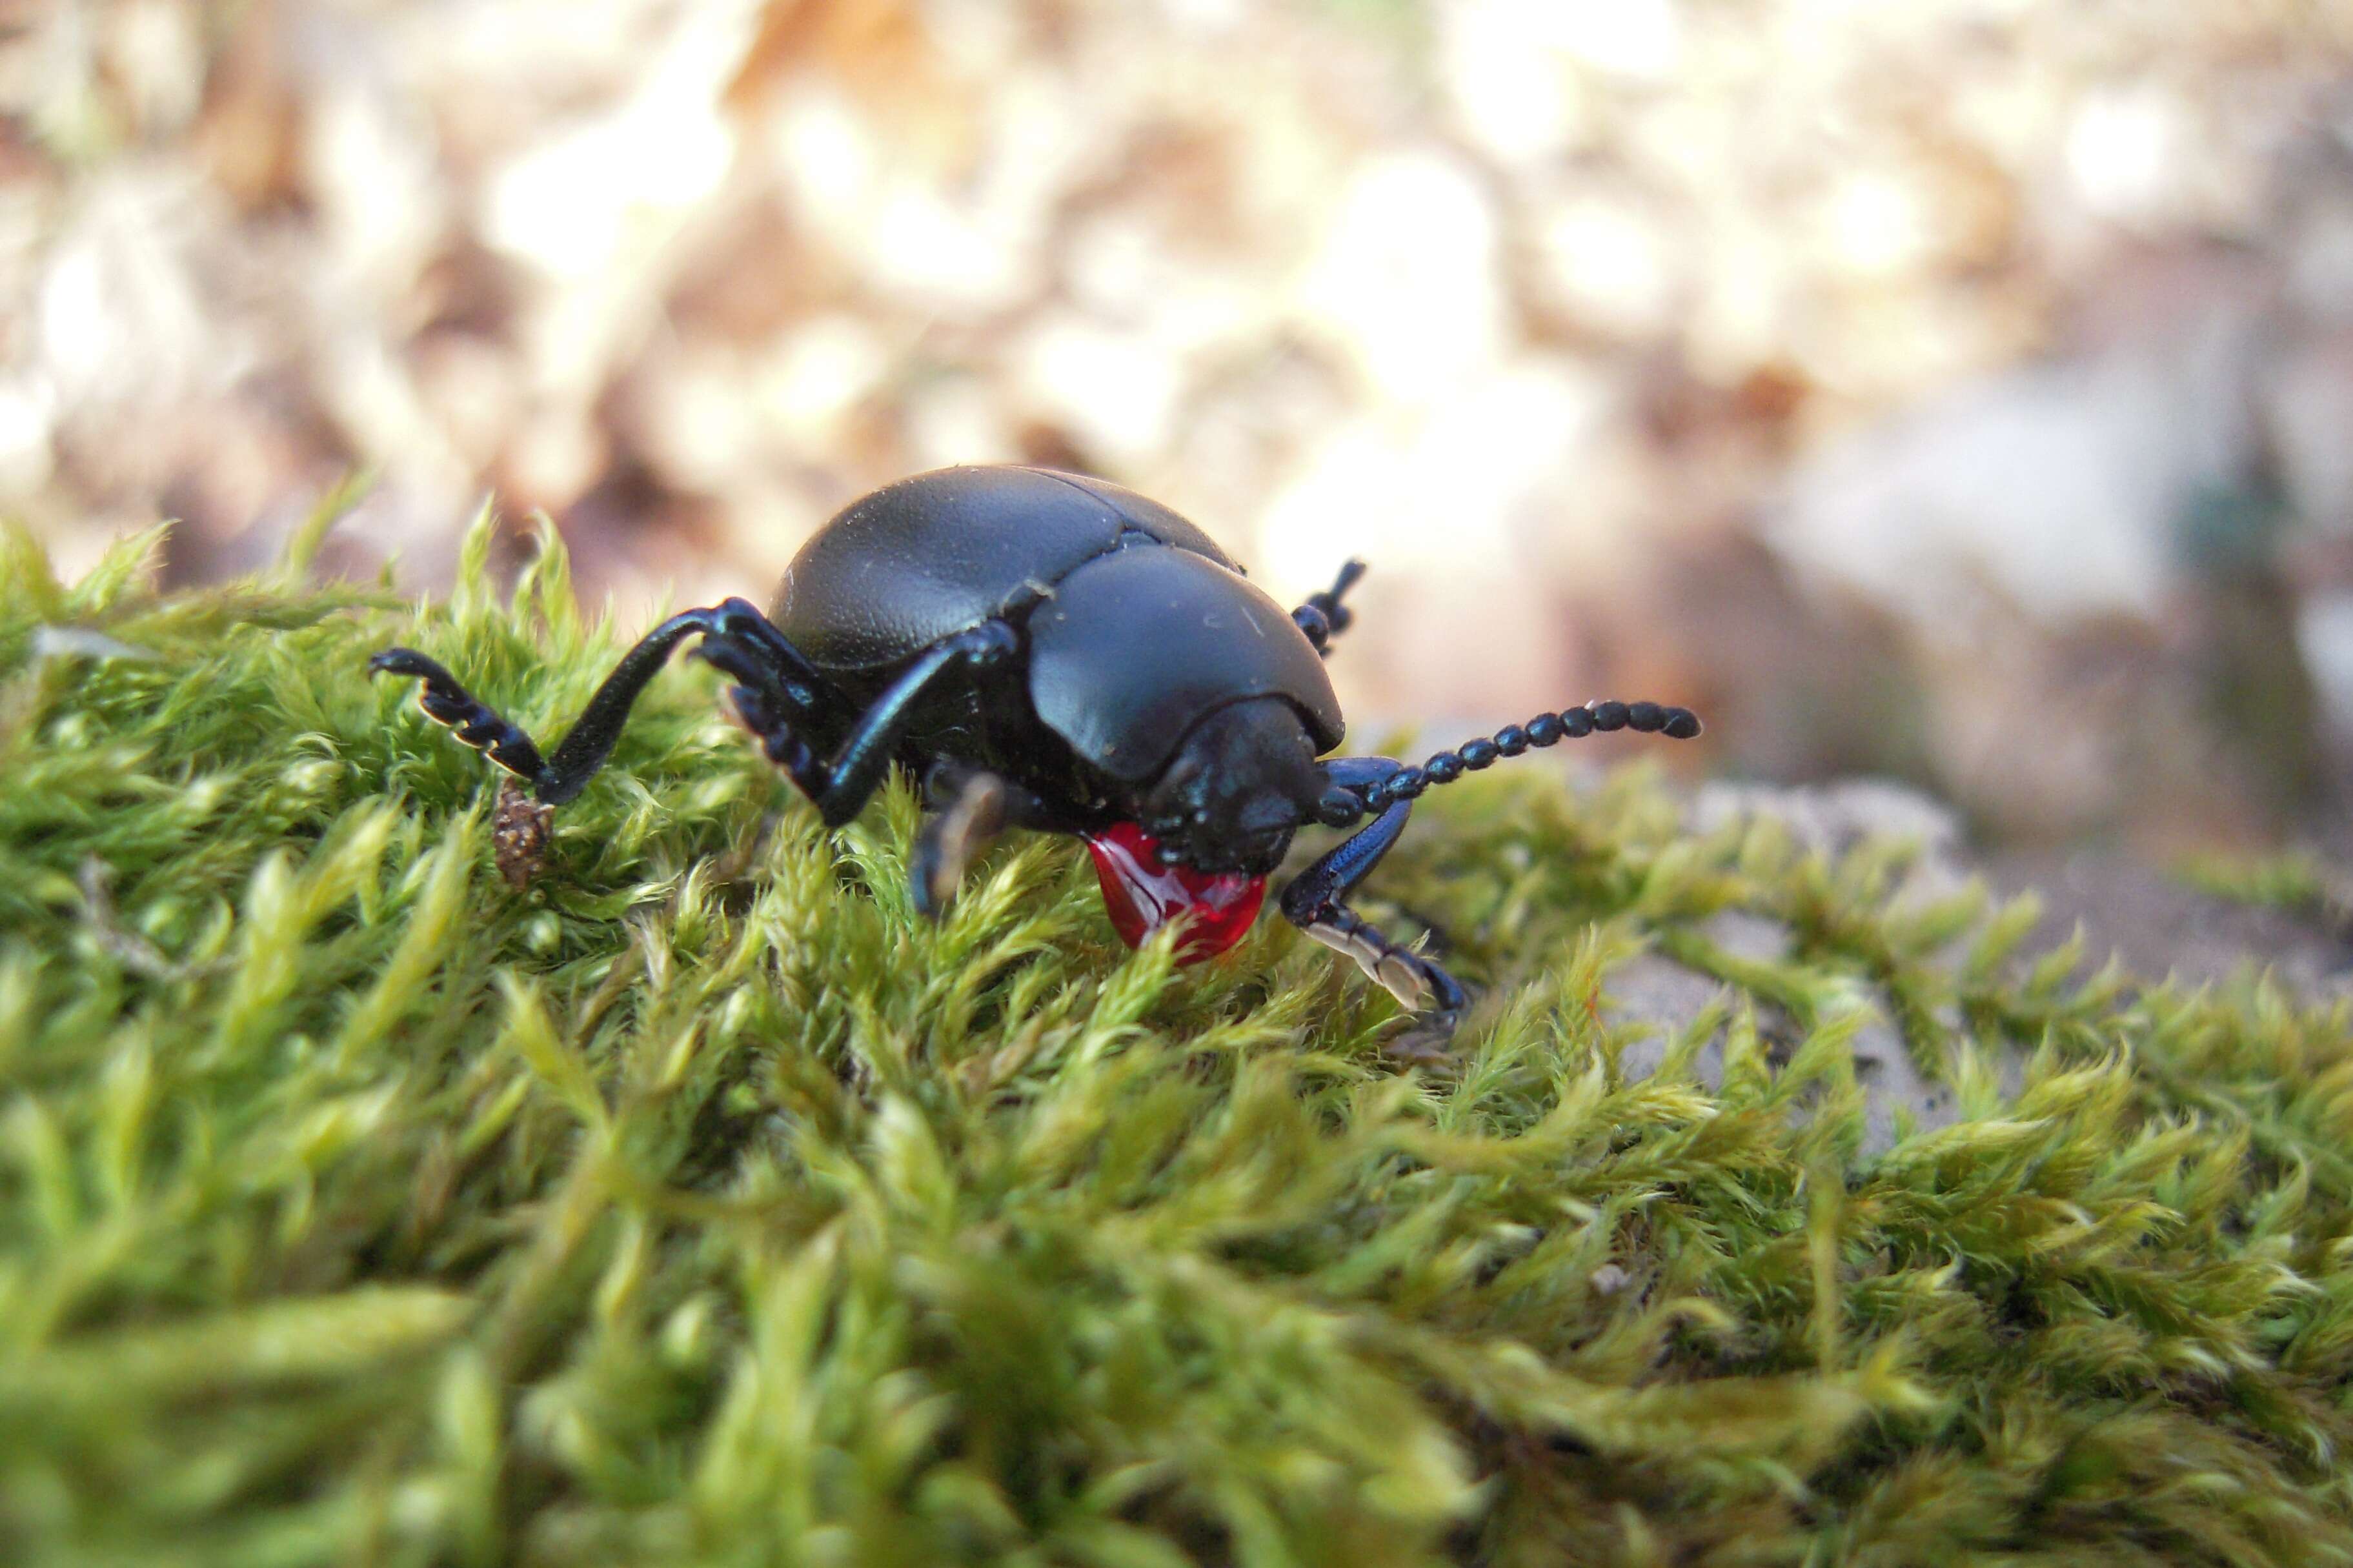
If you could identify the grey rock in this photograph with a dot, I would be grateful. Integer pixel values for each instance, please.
(2157, 927)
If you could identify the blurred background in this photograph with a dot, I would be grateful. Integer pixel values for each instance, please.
(1958, 390)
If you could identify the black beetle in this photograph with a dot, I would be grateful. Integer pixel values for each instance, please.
(1053, 652)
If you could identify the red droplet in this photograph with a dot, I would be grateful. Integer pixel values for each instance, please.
(1141, 892)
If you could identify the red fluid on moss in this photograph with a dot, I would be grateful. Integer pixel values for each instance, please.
(1142, 893)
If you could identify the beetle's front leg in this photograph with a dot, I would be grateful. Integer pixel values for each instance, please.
(839, 786)
(1314, 903)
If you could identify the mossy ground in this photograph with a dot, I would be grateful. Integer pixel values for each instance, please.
(701, 1204)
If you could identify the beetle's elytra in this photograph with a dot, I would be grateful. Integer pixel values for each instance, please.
(1052, 652)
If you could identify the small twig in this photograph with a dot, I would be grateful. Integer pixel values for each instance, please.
(127, 947)
(63, 642)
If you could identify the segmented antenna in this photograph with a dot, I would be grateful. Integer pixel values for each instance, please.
(1543, 730)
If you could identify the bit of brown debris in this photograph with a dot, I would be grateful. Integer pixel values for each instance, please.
(519, 834)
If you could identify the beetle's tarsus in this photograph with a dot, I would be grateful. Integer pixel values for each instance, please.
(760, 712)
(1435, 998)
(1413, 979)
(1383, 961)
(474, 722)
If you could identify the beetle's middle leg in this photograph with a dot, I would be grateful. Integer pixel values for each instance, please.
(971, 807)
(839, 786)
(1323, 616)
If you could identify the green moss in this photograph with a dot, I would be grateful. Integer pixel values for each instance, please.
(2293, 880)
(701, 1204)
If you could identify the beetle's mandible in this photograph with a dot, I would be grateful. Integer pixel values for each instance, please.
(1050, 651)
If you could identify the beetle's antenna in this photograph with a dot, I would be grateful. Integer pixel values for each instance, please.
(1543, 730)
(1323, 616)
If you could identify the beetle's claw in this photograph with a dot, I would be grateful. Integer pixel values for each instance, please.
(1429, 1043)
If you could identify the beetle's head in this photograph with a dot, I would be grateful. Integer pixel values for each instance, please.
(1242, 781)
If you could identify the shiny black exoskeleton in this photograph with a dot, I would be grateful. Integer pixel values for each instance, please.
(1053, 652)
